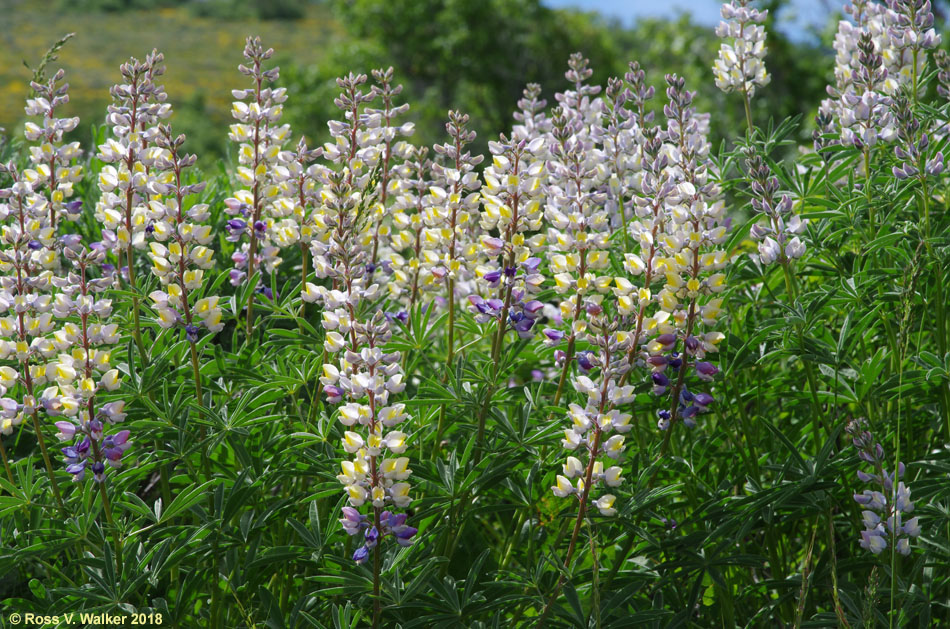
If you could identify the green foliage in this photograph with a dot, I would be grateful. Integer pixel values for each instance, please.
(227, 505)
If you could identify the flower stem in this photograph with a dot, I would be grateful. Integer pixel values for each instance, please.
(49, 466)
(377, 561)
(107, 509)
(137, 327)
(567, 366)
(867, 187)
(196, 367)
(303, 277)
(581, 511)
(450, 353)
(748, 111)
(6, 462)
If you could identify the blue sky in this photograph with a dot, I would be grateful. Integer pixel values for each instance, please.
(795, 18)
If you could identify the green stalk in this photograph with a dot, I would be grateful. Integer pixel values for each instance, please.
(581, 511)
(818, 418)
(940, 305)
(595, 582)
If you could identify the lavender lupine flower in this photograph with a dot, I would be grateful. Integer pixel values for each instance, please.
(53, 162)
(779, 236)
(511, 202)
(597, 425)
(180, 266)
(865, 116)
(392, 524)
(883, 517)
(693, 263)
(80, 378)
(740, 65)
(942, 59)
(868, 70)
(911, 34)
(263, 198)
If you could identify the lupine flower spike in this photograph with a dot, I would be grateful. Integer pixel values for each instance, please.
(181, 264)
(885, 510)
(53, 162)
(123, 208)
(448, 249)
(574, 207)
(361, 371)
(263, 196)
(597, 430)
(693, 264)
(45, 187)
(390, 150)
(78, 379)
(740, 66)
(298, 169)
(779, 236)
(408, 218)
(27, 260)
(512, 208)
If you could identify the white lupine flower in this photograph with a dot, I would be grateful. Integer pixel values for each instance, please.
(563, 488)
(605, 504)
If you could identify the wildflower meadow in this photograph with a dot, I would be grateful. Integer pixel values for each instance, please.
(607, 372)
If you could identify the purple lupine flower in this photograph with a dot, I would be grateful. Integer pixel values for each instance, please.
(553, 336)
(353, 521)
(584, 361)
(191, 333)
(361, 555)
(235, 228)
(492, 277)
(706, 370)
